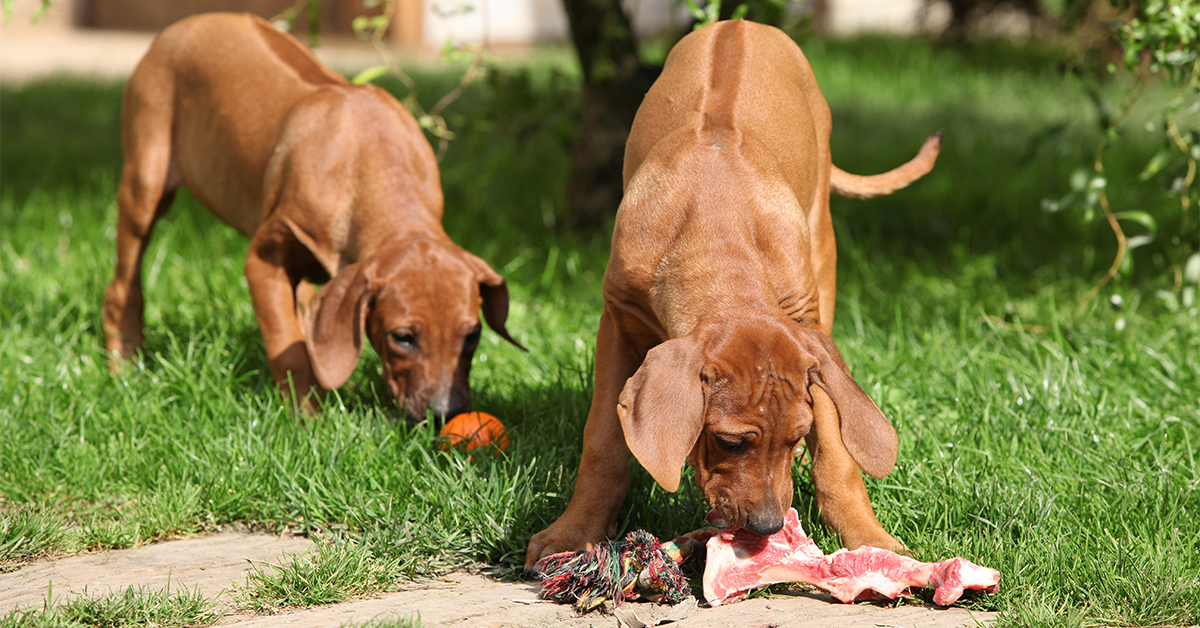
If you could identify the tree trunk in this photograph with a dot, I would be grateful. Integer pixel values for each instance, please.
(614, 82)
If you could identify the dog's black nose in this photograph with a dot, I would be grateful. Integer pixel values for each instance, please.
(764, 527)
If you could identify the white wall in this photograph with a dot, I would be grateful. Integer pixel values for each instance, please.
(495, 22)
(500, 22)
(856, 16)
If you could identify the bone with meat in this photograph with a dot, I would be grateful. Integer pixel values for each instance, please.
(739, 561)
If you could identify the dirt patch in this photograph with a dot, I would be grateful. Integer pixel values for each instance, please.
(214, 563)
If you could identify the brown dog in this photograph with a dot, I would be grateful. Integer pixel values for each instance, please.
(714, 344)
(333, 182)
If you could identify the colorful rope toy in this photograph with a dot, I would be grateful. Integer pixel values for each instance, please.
(636, 566)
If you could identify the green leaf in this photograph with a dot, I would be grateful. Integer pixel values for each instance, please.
(1191, 269)
(696, 11)
(1055, 205)
(314, 23)
(1079, 179)
(1169, 300)
(1140, 217)
(1155, 165)
(41, 11)
(370, 74)
(740, 12)
(1138, 241)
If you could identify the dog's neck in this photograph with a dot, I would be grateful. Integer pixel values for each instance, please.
(732, 288)
(404, 235)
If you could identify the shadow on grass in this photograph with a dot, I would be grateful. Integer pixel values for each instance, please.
(505, 174)
(235, 348)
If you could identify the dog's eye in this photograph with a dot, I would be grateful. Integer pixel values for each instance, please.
(403, 340)
(472, 339)
(727, 443)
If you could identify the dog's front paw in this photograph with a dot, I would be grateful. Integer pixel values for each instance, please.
(561, 536)
(119, 353)
(874, 538)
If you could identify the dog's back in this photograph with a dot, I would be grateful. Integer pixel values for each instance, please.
(742, 79)
(727, 159)
(220, 84)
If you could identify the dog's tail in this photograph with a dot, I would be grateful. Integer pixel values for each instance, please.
(855, 186)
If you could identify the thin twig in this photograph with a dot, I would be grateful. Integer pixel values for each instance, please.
(289, 15)
(1185, 201)
(1120, 257)
(431, 119)
(1098, 166)
(468, 78)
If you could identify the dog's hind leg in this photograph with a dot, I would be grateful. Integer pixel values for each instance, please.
(148, 182)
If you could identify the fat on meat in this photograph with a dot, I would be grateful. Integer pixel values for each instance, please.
(739, 560)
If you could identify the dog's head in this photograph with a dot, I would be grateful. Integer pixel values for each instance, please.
(733, 399)
(419, 306)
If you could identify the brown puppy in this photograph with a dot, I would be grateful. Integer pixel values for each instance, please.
(333, 183)
(714, 344)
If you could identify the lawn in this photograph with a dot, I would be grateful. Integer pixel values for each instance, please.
(1054, 443)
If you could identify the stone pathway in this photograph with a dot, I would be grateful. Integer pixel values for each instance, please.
(214, 563)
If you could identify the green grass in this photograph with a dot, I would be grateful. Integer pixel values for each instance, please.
(1055, 447)
(133, 606)
(26, 532)
(336, 571)
(413, 621)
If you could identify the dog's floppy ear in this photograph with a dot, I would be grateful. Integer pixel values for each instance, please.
(335, 321)
(662, 408)
(494, 292)
(866, 433)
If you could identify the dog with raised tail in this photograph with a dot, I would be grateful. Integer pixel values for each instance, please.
(714, 346)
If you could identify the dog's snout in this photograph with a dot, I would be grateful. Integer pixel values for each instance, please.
(764, 526)
(442, 412)
(441, 415)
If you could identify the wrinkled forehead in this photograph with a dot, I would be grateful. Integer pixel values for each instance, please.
(434, 287)
(753, 347)
(756, 366)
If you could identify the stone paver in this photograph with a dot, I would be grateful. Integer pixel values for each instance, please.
(214, 563)
(211, 563)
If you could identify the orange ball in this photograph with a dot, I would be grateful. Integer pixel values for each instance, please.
(472, 430)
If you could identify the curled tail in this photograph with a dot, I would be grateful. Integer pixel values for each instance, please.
(855, 186)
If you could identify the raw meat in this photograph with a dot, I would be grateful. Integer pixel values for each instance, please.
(740, 560)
